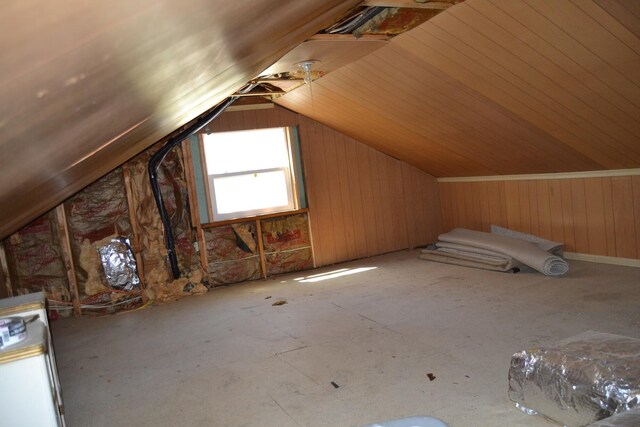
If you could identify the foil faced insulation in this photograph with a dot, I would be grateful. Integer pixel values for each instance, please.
(119, 264)
(630, 418)
(578, 381)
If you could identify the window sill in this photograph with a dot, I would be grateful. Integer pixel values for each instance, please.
(254, 218)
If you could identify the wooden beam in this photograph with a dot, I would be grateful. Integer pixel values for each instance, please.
(135, 231)
(437, 5)
(278, 93)
(189, 176)
(258, 106)
(252, 218)
(5, 269)
(263, 261)
(67, 257)
(350, 37)
(193, 203)
(311, 241)
(205, 174)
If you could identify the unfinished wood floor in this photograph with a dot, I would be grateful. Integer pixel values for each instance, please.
(230, 358)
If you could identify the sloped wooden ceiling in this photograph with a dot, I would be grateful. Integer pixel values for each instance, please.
(86, 85)
(496, 87)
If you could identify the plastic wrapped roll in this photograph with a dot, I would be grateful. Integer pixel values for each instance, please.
(582, 379)
(630, 418)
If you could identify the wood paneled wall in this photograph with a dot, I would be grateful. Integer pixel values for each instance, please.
(361, 201)
(597, 216)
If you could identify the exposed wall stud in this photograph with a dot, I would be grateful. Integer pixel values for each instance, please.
(5, 269)
(263, 261)
(193, 204)
(135, 230)
(206, 177)
(68, 258)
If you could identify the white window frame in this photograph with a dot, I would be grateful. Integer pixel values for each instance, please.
(290, 179)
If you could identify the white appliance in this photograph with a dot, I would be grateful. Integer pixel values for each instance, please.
(30, 393)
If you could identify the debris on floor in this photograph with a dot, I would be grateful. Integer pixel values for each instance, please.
(333, 383)
(431, 376)
(279, 301)
(580, 380)
(176, 289)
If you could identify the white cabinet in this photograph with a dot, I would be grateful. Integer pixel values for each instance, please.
(29, 386)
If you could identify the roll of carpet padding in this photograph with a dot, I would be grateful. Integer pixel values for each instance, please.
(527, 252)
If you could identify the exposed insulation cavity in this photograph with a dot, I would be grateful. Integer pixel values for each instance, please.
(232, 253)
(95, 215)
(171, 291)
(4, 292)
(175, 193)
(35, 262)
(287, 245)
(89, 262)
(159, 283)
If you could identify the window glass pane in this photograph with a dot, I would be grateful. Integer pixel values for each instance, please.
(228, 152)
(255, 191)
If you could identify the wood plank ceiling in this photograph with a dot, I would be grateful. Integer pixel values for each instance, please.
(84, 86)
(496, 87)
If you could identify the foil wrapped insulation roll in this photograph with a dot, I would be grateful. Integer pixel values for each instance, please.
(630, 418)
(119, 264)
(578, 381)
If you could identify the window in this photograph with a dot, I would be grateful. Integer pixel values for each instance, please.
(250, 172)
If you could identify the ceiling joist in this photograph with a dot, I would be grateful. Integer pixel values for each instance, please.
(351, 37)
(437, 5)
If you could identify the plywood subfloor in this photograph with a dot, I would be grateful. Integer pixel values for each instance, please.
(230, 358)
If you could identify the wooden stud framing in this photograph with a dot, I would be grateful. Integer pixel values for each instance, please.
(206, 176)
(193, 204)
(313, 251)
(263, 261)
(5, 270)
(437, 5)
(293, 170)
(274, 93)
(350, 37)
(68, 258)
(265, 216)
(191, 188)
(135, 230)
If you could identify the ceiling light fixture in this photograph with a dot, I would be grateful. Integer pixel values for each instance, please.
(306, 67)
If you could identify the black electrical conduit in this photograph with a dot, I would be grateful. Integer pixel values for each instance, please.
(158, 157)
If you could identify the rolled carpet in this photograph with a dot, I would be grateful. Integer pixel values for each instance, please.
(469, 259)
(524, 251)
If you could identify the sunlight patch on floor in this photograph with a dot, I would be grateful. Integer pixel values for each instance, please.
(332, 274)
